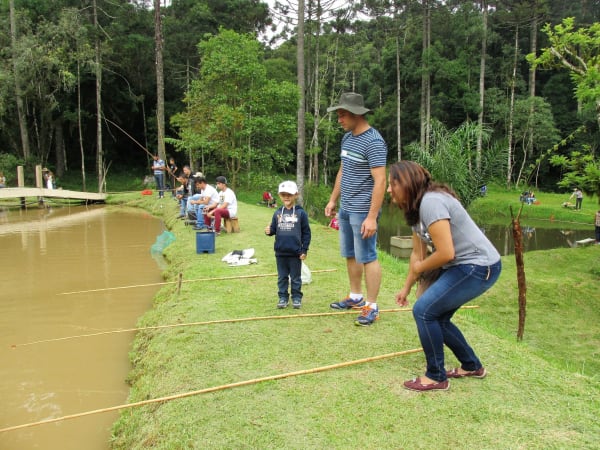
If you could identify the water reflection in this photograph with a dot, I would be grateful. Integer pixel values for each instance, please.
(46, 253)
(536, 236)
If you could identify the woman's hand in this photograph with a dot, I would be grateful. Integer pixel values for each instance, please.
(402, 297)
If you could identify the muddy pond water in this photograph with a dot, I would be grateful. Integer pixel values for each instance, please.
(46, 255)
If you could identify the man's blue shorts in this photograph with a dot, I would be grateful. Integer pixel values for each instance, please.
(352, 245)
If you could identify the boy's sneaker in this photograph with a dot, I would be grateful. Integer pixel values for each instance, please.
(367, 316)
(283, 302)
(296, 303)
(348, 303)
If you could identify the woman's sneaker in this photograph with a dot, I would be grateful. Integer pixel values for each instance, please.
(348, 303)
(367, 316)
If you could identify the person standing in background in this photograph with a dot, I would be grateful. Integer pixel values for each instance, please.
(159, 175)
(578, 197)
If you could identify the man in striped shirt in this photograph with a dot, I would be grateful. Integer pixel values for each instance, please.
(360, 185)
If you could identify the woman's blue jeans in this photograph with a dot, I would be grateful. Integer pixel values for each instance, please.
(456, 286)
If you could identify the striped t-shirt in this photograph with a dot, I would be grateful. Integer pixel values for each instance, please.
(359, 154)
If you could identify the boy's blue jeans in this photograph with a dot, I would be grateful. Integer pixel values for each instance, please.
(289, 269)
(433, 310)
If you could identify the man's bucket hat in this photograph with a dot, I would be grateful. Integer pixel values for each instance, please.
(351, 102)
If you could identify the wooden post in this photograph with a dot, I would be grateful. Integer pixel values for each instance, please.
(39, 181)
(521, 281)
(21, 183)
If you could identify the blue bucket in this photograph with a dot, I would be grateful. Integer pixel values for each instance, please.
(205, 242)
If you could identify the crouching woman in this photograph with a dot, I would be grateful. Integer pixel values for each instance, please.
(467, 262)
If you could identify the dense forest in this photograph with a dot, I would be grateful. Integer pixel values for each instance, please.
(479, 91)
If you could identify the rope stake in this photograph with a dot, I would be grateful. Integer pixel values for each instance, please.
(214, 389)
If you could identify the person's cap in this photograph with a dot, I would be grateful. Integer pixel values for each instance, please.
(198, 175)
(221, 180)
(288, 187)
(351, 102)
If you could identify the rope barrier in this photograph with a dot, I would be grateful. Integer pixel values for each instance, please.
(213, 322)
(237, 277)
(213, 389)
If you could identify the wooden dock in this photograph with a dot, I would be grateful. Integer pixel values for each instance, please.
(24, 192)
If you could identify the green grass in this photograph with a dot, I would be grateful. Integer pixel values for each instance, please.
(541, 393)
(495, 207)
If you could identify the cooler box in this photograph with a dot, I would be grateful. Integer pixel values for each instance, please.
(205, 242)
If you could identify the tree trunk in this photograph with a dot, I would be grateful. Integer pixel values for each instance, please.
(398, 102)
(18, 90)
(532, 72)
(511, 113)
(59, 146)
(481, 84)
(79, 128)
(160, 83)
(99, 149)
(314, 145)
(426, 79)
(301, 140)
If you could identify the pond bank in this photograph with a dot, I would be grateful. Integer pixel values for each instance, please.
(312, 411)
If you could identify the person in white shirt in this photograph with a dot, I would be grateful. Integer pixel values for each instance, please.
(227, 207)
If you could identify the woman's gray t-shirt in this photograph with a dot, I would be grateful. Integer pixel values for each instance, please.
(471, 246)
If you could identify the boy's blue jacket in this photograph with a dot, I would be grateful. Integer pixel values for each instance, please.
(291, 230)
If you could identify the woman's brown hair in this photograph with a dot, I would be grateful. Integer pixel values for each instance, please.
(415, 180)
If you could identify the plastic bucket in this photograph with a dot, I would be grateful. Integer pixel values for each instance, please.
(205, 242)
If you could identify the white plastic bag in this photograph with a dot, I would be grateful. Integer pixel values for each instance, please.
(305, 274)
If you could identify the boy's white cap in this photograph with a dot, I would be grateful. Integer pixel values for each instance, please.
(288, 187)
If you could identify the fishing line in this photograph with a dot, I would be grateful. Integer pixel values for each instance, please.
(237, 277)
(212, 322)
(215, 389)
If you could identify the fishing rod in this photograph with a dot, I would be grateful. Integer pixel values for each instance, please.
(140, 145)
(222, 387)
(214, 322)
(196, 280)
(129, 136)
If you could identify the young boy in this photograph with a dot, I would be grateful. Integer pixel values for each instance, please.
(292, 238)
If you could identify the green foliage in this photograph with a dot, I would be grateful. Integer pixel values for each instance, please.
(450, 159)
(235, 115)
(8, 165)
(581, 169)
(578, 50)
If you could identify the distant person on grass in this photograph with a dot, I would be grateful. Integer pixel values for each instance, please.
(468, 262)
(292, 238)
(360, 186)
(578, 197)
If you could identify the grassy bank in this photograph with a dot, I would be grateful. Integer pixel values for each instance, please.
(541, 393)
(548, 209)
